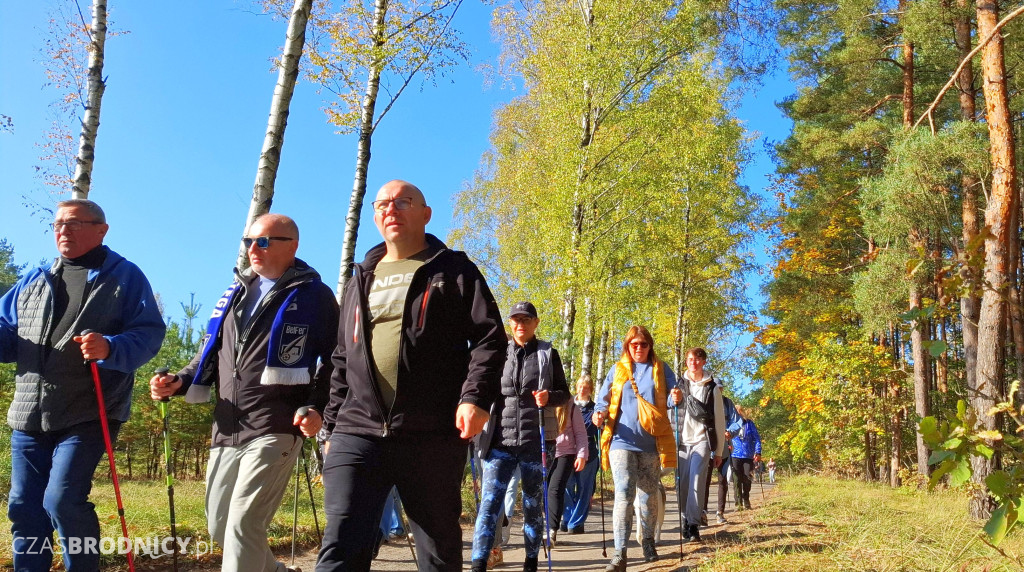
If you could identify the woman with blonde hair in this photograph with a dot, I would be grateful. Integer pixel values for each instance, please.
(570, 457)
(580, 488)
(637, 440)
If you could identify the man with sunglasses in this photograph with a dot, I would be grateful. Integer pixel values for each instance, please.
(267, 349)
(58, 438)
(420, 352)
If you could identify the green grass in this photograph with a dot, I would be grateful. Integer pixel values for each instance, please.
(815, 523)
(146, 513)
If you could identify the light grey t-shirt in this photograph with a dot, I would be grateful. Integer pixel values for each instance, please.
(387, 306)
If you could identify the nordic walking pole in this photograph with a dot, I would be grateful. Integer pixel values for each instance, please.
(300, 412)
(163, 405)
(761, 482)
(600, 469)
(309, 486)
(679, 501)
(544, 477)
(472, 469)
(405, 525)
(110, 450)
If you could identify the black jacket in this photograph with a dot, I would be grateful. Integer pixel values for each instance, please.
(514, 420)
(452, 349)
(245, 409)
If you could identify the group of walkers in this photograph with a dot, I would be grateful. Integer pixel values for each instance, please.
(411, 369)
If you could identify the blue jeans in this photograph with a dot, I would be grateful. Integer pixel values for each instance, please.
(498, 469)
(578, 493)
(390, 521)
(51, 477)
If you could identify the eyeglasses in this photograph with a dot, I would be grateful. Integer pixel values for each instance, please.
(639, 345)
(401, 204)
(71, 225)
(263, 241)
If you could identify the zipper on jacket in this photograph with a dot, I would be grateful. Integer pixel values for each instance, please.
(419, 326)
(423, 306)
(378, 399)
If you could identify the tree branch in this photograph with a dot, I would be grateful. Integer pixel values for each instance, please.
(967, 60)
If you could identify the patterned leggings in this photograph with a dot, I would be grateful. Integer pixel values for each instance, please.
(634, 473)
(498, 469)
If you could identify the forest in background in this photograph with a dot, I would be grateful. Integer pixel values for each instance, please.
(892, 333)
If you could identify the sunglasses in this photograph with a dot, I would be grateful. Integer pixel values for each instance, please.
(639, 345)
(263, 241)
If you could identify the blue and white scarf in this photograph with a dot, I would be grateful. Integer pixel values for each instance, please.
(288, 361)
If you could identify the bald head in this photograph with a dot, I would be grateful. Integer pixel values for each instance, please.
(401, 215)
(279, 223)
(400, 188)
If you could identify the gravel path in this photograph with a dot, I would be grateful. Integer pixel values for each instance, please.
(572, 553)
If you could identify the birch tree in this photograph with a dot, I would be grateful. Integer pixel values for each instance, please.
(368, 48)
(82, 179)
(277, 122)
(579, 200)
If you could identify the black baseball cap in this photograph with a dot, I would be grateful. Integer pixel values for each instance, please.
(523, 309)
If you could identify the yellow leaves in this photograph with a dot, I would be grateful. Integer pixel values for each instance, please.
(990, 435)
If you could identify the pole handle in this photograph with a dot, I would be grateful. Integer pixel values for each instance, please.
(163, 370)
(86, 332)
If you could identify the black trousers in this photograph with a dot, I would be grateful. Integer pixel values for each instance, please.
(743, 470)
(358, 475)
(558, 478)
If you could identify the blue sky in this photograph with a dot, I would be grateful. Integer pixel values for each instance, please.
(182, 123)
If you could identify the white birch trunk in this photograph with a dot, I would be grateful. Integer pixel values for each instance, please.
(602, 357)
(587, 359)
(82, 181)
(586, 137)
(355, 204)
(277, 122)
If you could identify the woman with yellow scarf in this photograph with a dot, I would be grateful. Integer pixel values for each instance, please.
(636, 440)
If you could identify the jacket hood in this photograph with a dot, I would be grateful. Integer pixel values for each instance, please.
(297, 271)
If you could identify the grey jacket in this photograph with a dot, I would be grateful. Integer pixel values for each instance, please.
(53, 386)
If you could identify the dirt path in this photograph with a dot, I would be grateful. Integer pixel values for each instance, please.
(572, 553)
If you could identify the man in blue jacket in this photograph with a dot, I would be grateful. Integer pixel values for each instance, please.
(746, 452)
(58, 440)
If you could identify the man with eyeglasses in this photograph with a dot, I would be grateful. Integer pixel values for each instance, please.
(58, 439)
(267, 348)
(418, 363)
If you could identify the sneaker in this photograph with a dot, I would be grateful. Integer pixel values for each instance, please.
(686, 533)
(563, 528)
(721, 518)
(552, 537)
(694, 533)
(746, 505)
(650, 553)
(530, 564)
(478, 566)
(578, 530)
(618, 563)
(496, 557)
